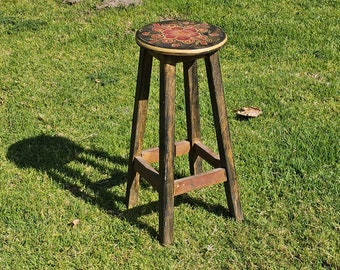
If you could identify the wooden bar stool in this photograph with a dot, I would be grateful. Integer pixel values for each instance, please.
(172, 42)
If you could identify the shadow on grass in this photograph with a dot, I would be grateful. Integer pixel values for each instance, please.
(53, 155)
(13, 25)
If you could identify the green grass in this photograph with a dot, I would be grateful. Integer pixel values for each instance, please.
(67, 81)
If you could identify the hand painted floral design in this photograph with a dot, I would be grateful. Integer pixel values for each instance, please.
(181, 34)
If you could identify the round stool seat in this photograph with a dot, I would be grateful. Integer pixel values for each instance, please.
(181, 38)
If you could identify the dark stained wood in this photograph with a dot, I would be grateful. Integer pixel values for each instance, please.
(192, 113)
(207, 154)
(138, 124)
(182, 148)
(178, 58)
(167, 149)
(187, 184)
(222, 133)
(147, 172)
(152, 46)
(152, 155)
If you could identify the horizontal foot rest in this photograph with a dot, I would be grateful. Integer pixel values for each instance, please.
(186, 184)
(198, 181)
(183, 147)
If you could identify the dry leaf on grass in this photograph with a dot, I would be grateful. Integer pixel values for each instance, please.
(249, 112)
(74, 222)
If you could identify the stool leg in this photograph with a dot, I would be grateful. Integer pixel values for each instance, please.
(222, 134)
(192, 113)
(167, 149)
(138, 124)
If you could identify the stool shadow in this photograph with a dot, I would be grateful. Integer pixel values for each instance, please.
(217, 209)
(53, 155)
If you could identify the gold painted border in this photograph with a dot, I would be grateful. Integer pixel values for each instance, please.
(181, 52)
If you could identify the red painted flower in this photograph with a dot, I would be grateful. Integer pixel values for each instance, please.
(187, 34)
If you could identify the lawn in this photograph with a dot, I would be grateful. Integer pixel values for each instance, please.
(67, 82)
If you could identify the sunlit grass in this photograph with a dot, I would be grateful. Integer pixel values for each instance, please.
(67, 81)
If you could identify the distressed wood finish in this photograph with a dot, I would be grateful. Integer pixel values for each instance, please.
(181, 50)
(152, 155)
(138, 124)
(167, 149)
(187, 184)
(192, 113)
(207, 154)
(147, 172)
(222, 133)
